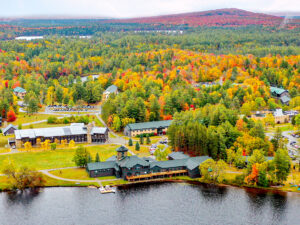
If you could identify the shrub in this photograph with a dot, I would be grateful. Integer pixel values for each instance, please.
(130, 142)
(53, 146)
(51, 120)
(137, 146)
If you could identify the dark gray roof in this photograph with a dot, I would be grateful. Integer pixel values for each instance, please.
(8, 127)
(122, 149)
(131, 161)
(149, 125)
(178, 155)
(102, 165)
(285, 99)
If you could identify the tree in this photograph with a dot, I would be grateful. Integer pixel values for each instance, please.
(11, 116)
(53, 146)
(213, 170)
(252, 178)
(97, 159)
(269, 120)
(137, 146)
(22, 177)
(257, 130)
(277, 139)
(141, 139)
(230, 156)
(27, 146)
(161, 154)
(116, 123)
(256, 157)
(148, 141)
(282, 164)
(72, 144)
(81, 157)
(130, 142)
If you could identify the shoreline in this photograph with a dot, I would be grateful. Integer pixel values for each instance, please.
(161, 181)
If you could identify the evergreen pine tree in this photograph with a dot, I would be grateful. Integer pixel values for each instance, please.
(130, 142)
(97, 158)
(137, 146)
(148, 140)
(142, 139)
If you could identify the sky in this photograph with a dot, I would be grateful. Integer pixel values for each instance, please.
(134, 8)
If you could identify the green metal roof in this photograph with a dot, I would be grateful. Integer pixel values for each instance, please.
(169, 163)
(19, 90)
(101, 165)
(149, 125)
(178, 155)
(131, 161)
(277, 90)
(194, 162)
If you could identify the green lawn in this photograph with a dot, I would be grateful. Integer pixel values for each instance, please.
(4, 139)
(78, 173)
(143, 152)
(25, 118)
(56, 159)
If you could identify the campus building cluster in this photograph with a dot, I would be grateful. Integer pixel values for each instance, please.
(134, 168)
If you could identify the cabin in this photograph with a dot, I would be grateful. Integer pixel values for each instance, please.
(154, 127)
(20, 92)
(134, 168)
(110, 90)
(77, 132)
(9, 130)
(281, 94)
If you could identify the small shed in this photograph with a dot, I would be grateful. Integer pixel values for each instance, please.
(10, 129)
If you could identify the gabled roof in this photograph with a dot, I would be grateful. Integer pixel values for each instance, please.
(178, 155)
(131, 161)
(194, 162)
(169, 163)
(112, 158)
(149, 125)
(277, 90)
(285, 99)
(19, 90)
(8, 127)
(102, 165)
(111, 89)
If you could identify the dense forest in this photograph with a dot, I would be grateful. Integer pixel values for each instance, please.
(203, 78)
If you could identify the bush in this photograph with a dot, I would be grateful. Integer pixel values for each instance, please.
(137, 146)
(53, 146)
(145, 135)
(51, 120)
(239, 179)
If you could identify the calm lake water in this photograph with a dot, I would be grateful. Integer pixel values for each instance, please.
(150, 204)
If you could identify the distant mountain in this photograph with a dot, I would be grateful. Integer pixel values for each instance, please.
(221, 17)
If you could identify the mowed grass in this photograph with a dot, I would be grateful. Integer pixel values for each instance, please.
(75, 173)
(78, 174)
(25, 118)
(143, 152)
(59, 158)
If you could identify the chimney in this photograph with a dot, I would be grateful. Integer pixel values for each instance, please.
(89, 132)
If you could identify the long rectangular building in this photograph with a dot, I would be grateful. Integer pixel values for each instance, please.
(77, 132)
(155, 127)
(134, 168)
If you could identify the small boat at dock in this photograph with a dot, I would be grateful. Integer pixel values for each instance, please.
(107, 189)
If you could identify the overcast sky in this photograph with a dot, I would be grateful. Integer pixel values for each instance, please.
(134, 8)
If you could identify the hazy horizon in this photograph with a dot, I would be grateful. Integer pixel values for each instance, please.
(134, 8)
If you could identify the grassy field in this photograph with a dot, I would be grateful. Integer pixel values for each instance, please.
(25, 118)
(43, 125)
(143, 152)
(56, 159)
(75, 173)
(4, 140)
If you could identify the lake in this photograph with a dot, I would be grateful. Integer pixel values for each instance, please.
(168, 203)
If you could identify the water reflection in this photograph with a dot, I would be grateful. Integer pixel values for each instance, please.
(212, 192)
(22, 197)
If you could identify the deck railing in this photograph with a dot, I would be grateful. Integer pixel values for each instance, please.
(156, 175)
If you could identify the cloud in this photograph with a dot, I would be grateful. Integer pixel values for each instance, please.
(134, 8)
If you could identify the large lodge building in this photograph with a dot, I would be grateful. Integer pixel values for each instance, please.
(77, 132)
(134, 168)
